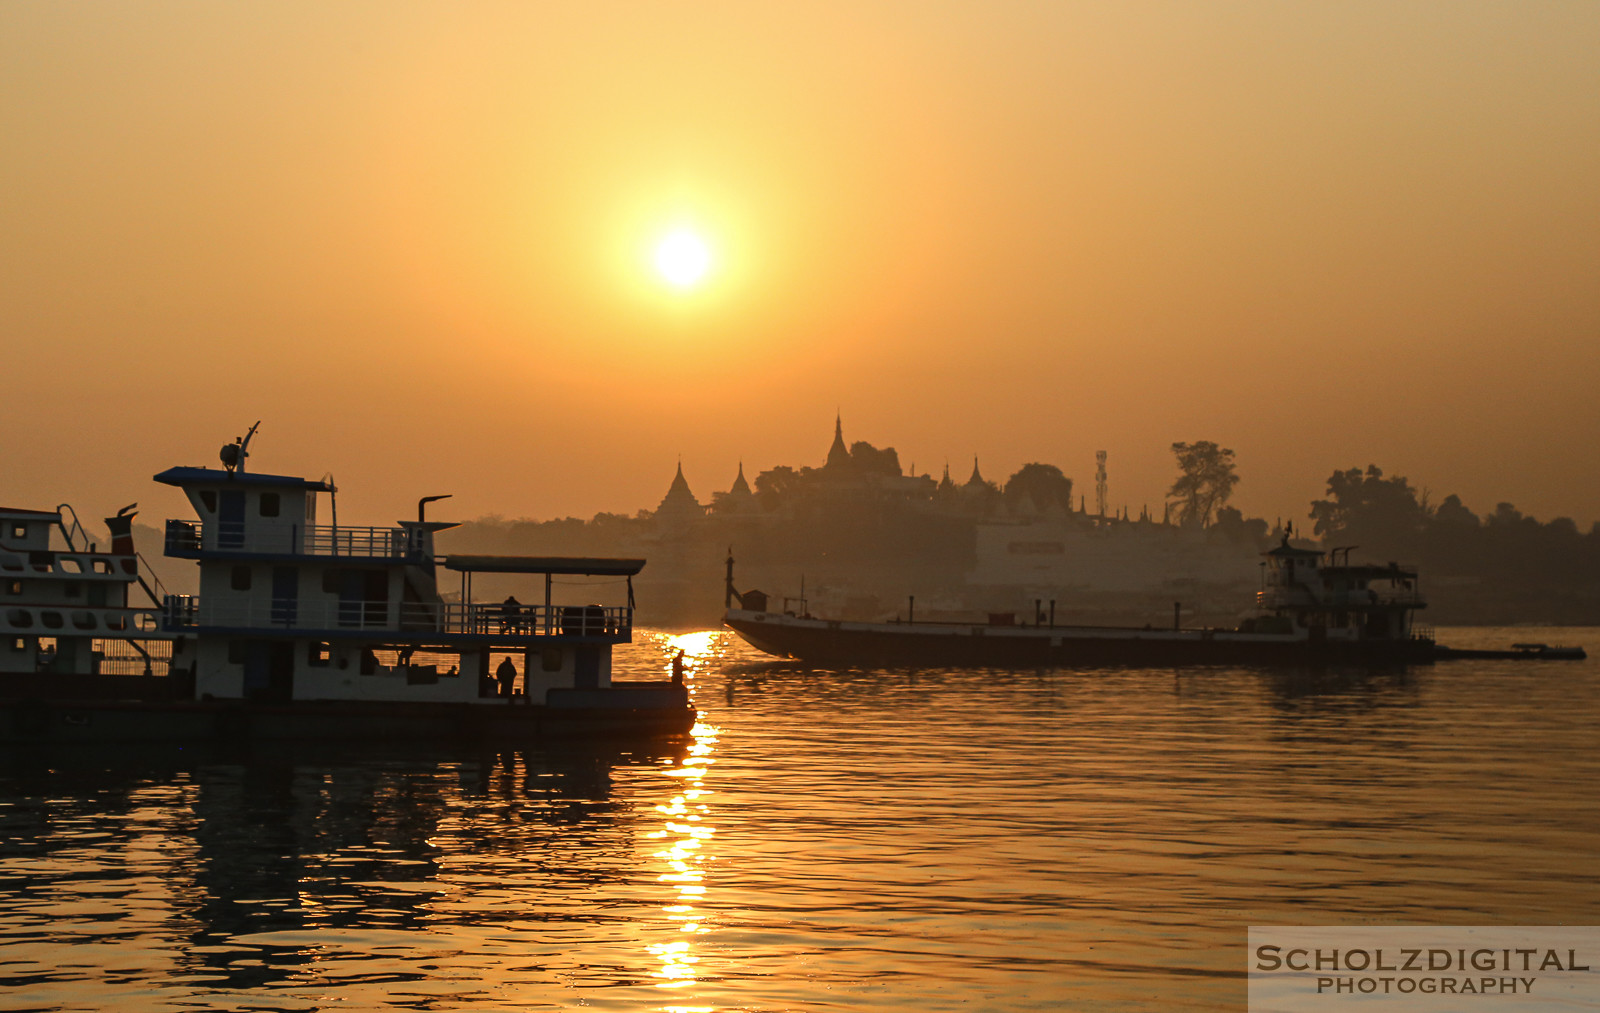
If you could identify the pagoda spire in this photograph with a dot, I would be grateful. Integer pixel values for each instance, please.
(679, 498)
(838, 454)
(977, 478)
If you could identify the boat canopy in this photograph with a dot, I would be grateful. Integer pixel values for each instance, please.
(588, 566)
(211, 476)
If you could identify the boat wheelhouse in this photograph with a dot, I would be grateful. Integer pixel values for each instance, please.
(1310, 594)
(69, 628)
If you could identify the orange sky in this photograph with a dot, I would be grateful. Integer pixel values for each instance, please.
(414, 240)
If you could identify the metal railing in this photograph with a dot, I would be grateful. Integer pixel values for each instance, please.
(121, 657)
(190, 612)
(1351, 601)
(309, 540)
(66, 620)
(324, 540)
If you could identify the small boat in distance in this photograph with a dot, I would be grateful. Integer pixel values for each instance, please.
(1314, 608)
(307, 630)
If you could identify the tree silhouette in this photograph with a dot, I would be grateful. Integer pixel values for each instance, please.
(1383, 515)
(1205, 481)
(873, 461)
(776, 484)
(1043, 485)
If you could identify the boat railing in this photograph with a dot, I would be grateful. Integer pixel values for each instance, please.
(186, 537)
(190, 612)
(1342, 600)
(326, 540)
(71, 564)
(66, 620)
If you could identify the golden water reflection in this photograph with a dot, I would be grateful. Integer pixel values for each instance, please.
(685, 834)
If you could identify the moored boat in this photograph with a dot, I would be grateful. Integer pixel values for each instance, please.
(305, 630)
(1313, 608)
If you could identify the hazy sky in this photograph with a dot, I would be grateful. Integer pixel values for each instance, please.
(415, 240)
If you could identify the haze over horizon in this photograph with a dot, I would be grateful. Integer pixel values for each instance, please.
(417, 241)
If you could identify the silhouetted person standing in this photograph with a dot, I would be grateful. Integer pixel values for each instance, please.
(510, 613)
(677, 670)
(506, 675)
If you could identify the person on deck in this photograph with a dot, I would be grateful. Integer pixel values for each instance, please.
(510, 614)
(506, 676)
(677, 670)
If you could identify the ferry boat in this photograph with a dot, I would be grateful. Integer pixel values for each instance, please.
(69, 628)
(305, 630)
(1313, 608)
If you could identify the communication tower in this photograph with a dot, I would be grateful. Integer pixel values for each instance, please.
(1100, 481)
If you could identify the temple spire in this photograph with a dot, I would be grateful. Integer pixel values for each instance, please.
(838, 454)
(977, 478)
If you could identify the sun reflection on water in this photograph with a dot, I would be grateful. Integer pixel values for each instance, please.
(684, 835)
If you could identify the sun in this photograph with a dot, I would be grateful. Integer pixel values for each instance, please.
(682, 258)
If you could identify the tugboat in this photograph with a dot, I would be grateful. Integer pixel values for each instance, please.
(303, 630)
(1313, 609)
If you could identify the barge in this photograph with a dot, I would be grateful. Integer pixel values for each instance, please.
(1313, 609)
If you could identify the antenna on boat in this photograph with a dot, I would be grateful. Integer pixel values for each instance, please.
(233, 454)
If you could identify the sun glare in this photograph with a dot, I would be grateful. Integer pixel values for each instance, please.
(682, 258)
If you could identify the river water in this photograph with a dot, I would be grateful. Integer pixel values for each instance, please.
(828, 840)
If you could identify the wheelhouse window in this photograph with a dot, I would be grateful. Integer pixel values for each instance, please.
(269, 504)
(241, 578)
(19, 531)
(208, 499)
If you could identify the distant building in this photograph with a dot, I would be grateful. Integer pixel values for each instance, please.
(737, 501)
(679, 503)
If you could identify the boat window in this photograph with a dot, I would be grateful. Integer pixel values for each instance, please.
(208, 499)
(19, 531)
(241, 578)
(318, 655)
(83, 620)
(19, 617)
(72, 589)
(52, 620)
(269, 504)
(102, 566)
(13, 587)
(331, 579)
(70, 565)
(550, 659)
(19, 643)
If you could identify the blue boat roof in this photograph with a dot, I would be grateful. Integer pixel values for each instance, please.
(214, 476)
(590, 566)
